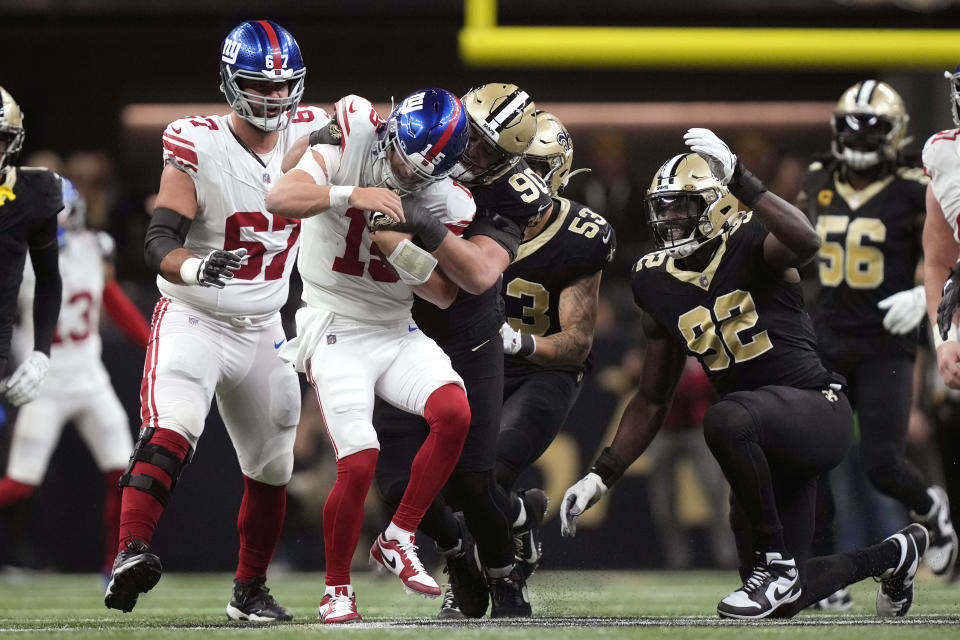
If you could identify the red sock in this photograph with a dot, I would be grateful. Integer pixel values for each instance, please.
(343, 513)
(448, 414)
(12, 492)
(111, 514)
(139, 511)
(259, 523)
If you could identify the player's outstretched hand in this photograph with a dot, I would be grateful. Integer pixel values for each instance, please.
(377, 199)
(24, 385)
(218, 266)
(715, 151)
(948, 362)
(905, 310)
(578, 498)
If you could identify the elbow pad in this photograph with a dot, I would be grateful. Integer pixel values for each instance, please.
(167, 231)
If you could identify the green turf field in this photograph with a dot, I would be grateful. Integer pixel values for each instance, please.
(588, 604)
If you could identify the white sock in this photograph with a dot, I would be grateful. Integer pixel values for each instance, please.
(394, 532)
(522, 518)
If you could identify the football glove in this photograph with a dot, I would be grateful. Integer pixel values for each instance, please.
(578, 498)
(715, 151)
(419, 221)
(905, 310)
(516, 343)
(218, 266)
(948, 303)
(24, 385)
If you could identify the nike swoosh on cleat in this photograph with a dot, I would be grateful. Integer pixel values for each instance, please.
(276, 345)
(781, 595)
(390, 562)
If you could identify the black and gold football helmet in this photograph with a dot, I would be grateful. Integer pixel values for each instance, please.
(687, 206)
(502, 124)
(551, 152)
(11, 130)
(869, 125)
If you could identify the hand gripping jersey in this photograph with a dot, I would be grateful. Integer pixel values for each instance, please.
(738, 317)
(342, 269)
(29, 198)
(75, 354)
(575, 243)
(941, 161)
(870, 250)
(231, 183)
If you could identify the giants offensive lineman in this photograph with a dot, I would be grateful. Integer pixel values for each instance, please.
(356, 337)
(224, 265)
(77, 387)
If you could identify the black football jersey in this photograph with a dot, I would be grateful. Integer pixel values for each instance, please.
(738, 317)
(503, 209)
(29, 198)
(575, 243)
(870, 250)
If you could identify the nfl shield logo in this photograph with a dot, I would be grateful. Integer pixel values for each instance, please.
(703, 281)
(193, 321)
(266, 178)
(331, 338)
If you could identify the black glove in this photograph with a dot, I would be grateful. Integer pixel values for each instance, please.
(419, 221)
(218, 266)
(949, 301)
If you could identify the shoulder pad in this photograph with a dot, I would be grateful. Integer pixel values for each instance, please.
(356, 115)
(181, 139)
(915, 174)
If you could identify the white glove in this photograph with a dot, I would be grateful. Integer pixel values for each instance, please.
(715, 151)
(516, 343)
(24, 385)
(905, 310)
(578, 498)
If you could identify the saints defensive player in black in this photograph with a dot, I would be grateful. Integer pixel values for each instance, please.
(867, 203)
(509, 195)
(29, 202)
(550, 294)
(725, 289)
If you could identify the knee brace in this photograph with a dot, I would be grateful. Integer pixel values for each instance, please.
(159, 456)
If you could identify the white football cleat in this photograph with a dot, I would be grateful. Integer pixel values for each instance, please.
(400, 558)
(339, 606)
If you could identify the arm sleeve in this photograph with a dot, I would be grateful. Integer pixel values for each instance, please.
(505, 231)
(125, 314)
(45, 257)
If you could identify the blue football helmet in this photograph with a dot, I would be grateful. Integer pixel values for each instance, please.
(74, 213)
(261, 51)
(421, 142)
(954, 79)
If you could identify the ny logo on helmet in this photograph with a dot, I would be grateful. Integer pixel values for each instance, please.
(413, 103)
(231, 49)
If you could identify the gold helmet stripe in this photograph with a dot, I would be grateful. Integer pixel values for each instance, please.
(866, 93)
(516, 102)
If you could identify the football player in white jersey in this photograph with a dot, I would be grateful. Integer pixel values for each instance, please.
(941, 161)
(356, 338)
(224, 265)
(77, 388)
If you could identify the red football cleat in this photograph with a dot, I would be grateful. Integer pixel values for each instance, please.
(339, 606)
(401, 558)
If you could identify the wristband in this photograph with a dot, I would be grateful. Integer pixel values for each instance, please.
(190, 271)
(745, 186)
(528, 345)
(608, 468)
(340, 197)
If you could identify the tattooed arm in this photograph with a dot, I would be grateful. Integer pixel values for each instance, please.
(578, 317)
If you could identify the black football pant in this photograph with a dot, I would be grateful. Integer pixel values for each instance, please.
(471, 487)
(881, 392)
(535, 406)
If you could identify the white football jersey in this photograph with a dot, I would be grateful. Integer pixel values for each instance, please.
(231, 183)
(941, 161)
(75, 353)
(342, 269)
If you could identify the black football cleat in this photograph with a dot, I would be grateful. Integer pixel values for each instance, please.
(508, 595)
(135, 570)
(941, 553)
(450, 609)
(252, 601)
(895, 593)
(526, 537)
(468, 584)
(773, 583)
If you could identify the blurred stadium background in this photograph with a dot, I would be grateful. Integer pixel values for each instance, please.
(98, 80)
